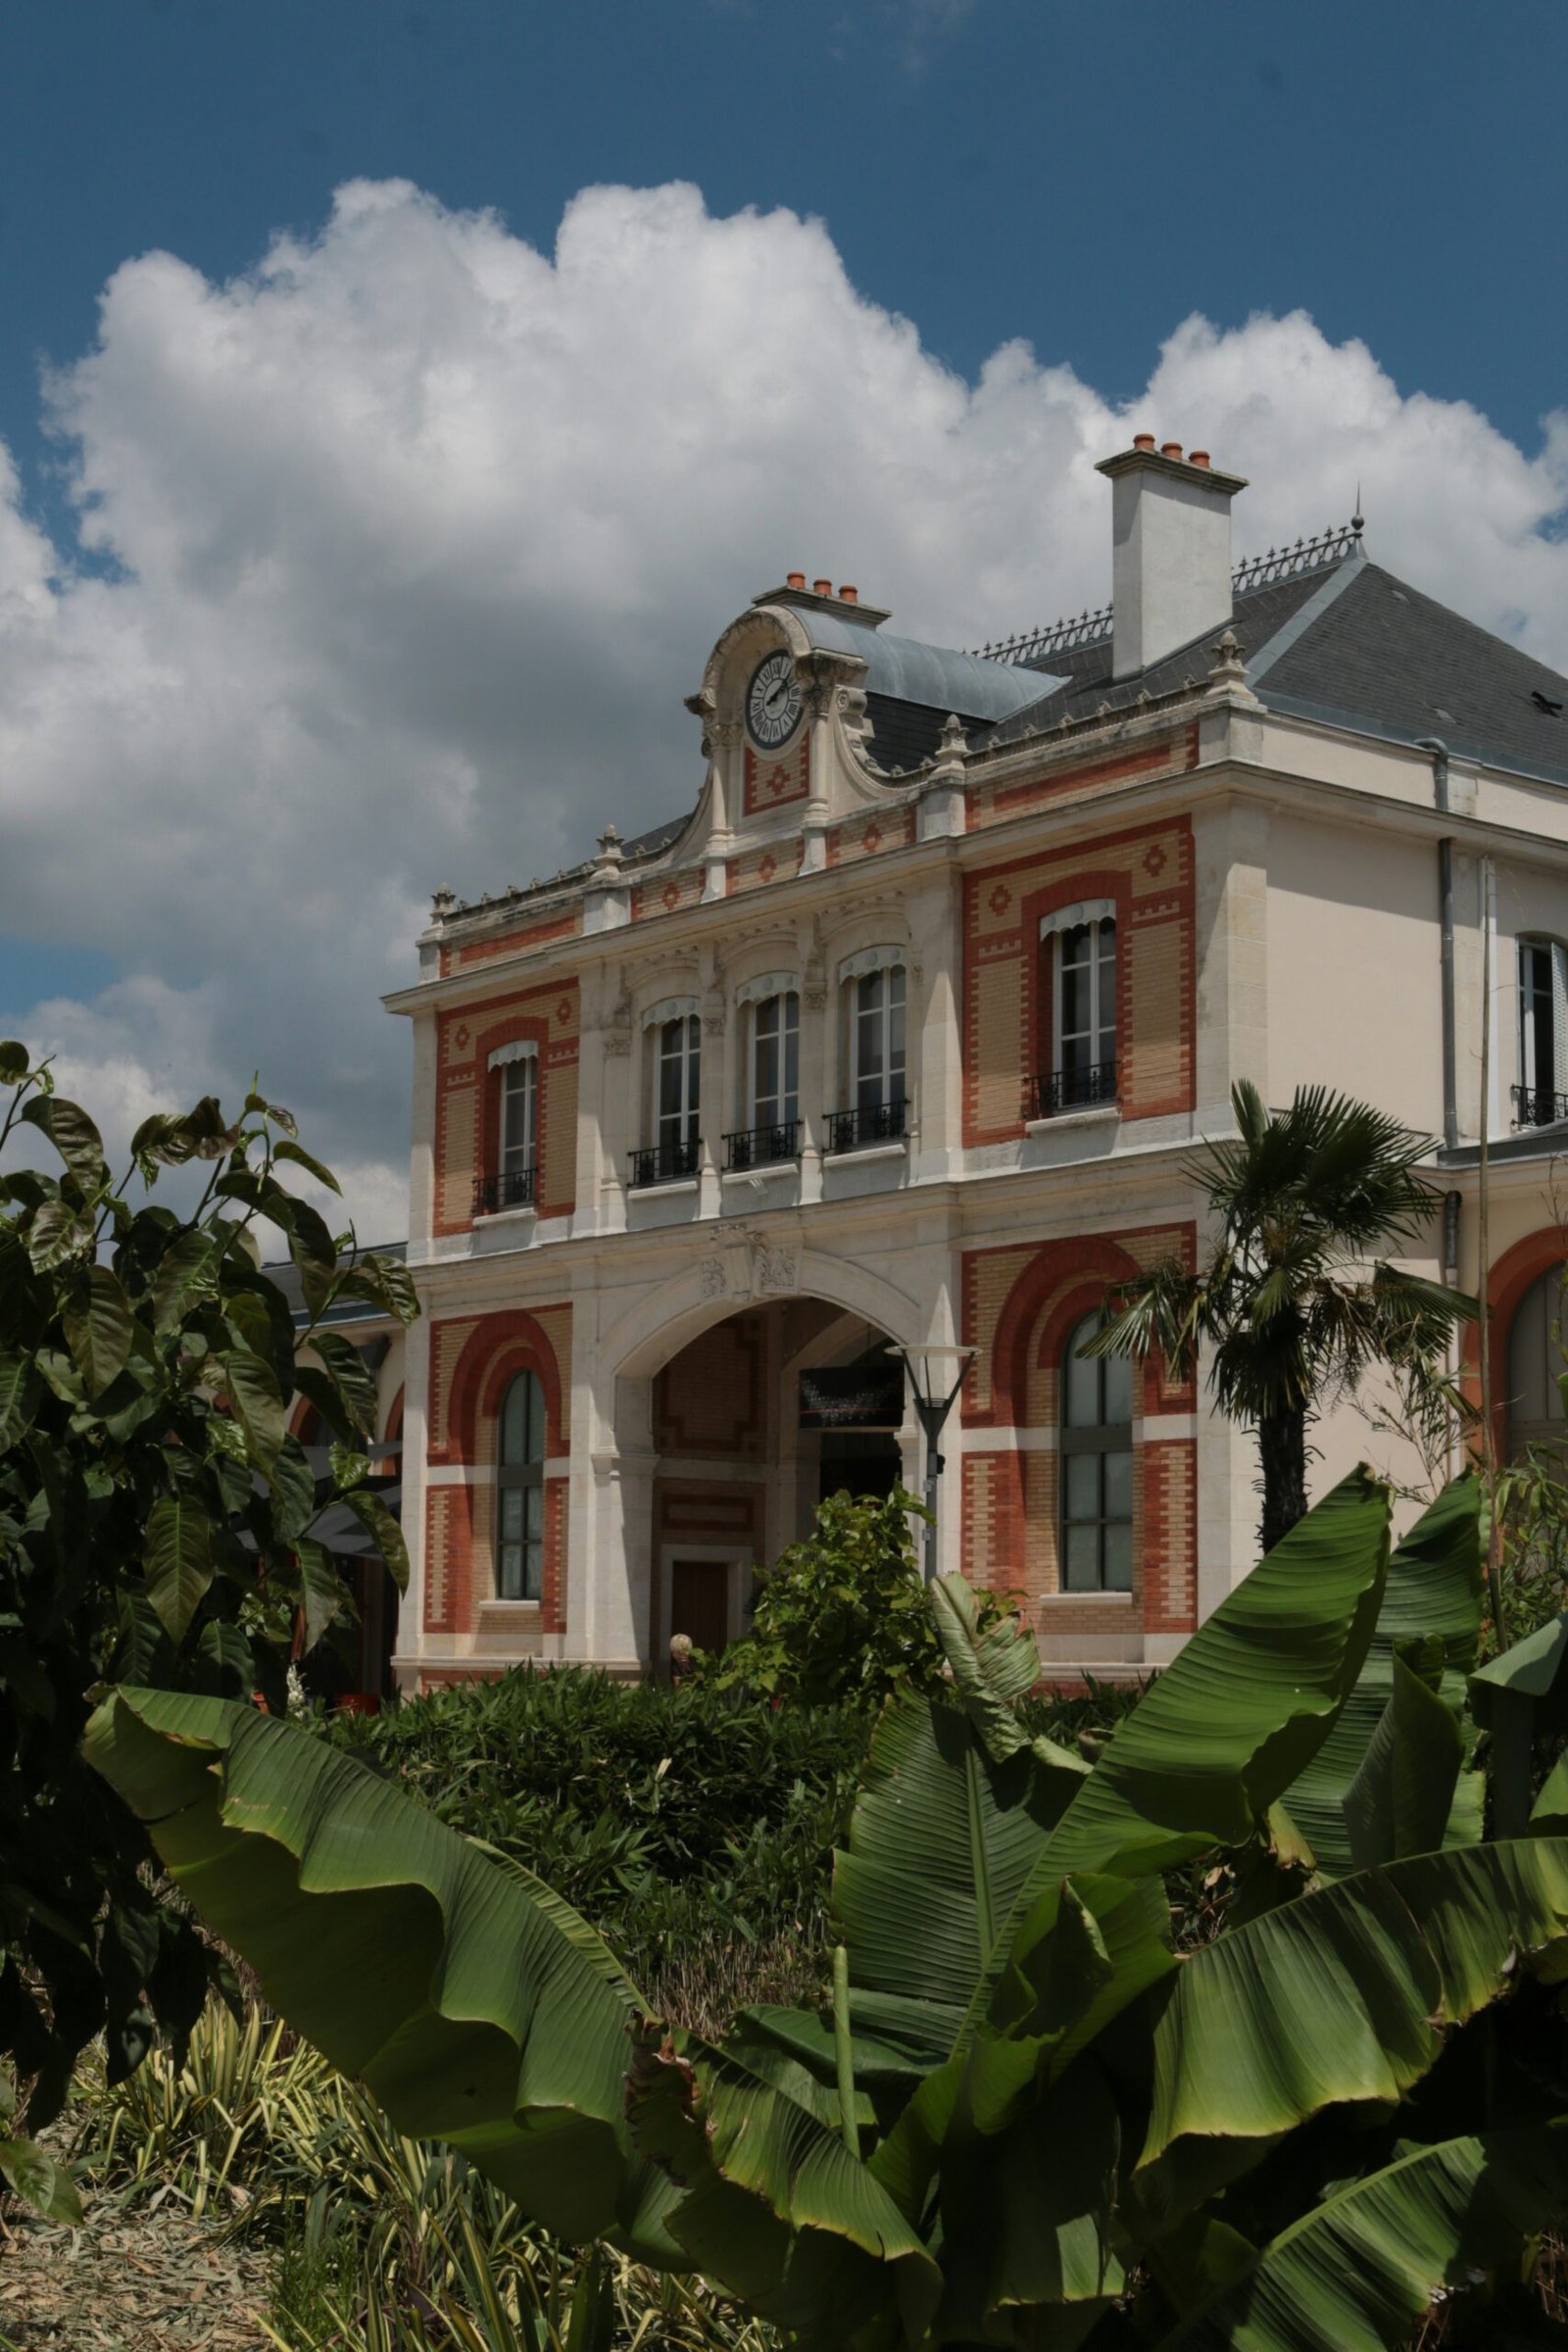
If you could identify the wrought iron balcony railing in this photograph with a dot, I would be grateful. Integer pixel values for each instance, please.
(1538, 1106)
(1071, 1090)
(857, 1130)
(514, 1189)
(663, 1163)
(762, 1146)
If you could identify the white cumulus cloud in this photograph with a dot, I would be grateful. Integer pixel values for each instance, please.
(399, 550)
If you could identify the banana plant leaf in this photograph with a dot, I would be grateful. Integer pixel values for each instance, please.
(1434, 1590)
(1514, 1696)
(1356, 2273)
(474, 2004)
(1244, 1705)
(941, 1839)
(1230, 1722)
(771, 2202)
(1344, 1996)
(1402, 1794)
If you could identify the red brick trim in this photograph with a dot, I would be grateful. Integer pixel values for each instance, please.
(1147, 871)
(509, 943)
(986, 804)
(773, 782)
(498, 1348)
(1511, 1275)
(1079, 1269)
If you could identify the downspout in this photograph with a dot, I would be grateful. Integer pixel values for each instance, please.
(1440, 793)
(1450, 1087)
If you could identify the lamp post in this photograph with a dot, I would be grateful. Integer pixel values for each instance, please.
(930, 1371)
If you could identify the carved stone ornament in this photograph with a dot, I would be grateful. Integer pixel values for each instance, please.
(617, 1026)
(777, 1269)
(710, 1278)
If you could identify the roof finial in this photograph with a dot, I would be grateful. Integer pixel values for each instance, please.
(1357, 520)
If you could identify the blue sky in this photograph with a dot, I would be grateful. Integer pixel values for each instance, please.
(260, 623)
(1082, 177)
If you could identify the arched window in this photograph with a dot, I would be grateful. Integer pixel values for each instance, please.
(1538, 1358)
(1542, 1094)
(520, 1491)
(1097, 1466)
(1078, 1017)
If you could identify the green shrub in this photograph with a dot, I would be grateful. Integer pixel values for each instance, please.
(677, 1820)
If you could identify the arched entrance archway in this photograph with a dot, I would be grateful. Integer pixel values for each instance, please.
(702, 1472)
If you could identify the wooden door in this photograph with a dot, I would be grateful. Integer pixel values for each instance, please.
(698, 1601)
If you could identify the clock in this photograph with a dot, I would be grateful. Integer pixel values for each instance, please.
(772, 700)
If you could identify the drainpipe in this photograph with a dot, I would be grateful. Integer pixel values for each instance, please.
(1440, 793)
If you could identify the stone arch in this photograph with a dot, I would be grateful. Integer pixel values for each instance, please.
(649, 1334)
(1511, 1276)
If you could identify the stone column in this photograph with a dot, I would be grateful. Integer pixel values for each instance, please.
(409, 1649)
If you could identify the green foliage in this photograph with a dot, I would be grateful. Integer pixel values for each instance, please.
(842, 1615)
(1025, 2117)
(381, 2240)
(151, 1513)
(1302, 1198)
(692, 1827)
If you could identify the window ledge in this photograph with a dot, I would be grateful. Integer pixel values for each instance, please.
(662, 1192)
(1095, 1115)
(506, 1216)
(1058, 1601)
(768, 1167)
(862, 1152)
(503, 1612)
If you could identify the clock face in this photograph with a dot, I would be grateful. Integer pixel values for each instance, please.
(772, 700)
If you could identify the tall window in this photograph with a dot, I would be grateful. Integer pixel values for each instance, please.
(1542, 1094)
(1097, 1466)
(676, 1086)
(1085, 1011)
(1538, 1358)
(520, 1491)
(520, 1121)
(876, 1045)
(776, 1060)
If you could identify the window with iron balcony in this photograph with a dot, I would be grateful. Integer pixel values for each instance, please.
(674, 1035)
(874, 1000)
(514, 1180)
(1540, 1097)
(1077, 1011)
(773, 1064)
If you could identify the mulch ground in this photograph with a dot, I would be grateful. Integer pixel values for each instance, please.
(147, 2279)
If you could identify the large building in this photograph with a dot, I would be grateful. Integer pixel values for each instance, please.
(904, 1034)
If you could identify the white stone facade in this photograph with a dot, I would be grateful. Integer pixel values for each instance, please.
(1268, 880)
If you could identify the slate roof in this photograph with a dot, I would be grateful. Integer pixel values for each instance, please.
(1353, 645)
(1342, 641)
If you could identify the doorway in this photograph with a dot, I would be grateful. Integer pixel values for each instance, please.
(698, 1602)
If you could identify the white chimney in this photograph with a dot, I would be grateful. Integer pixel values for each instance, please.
(1170, 579)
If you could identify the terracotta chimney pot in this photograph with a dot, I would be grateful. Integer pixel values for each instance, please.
(821, 587)
(1143, 440)
(1170, 448)
(849, 596)
(1198, 457)
(795, 579)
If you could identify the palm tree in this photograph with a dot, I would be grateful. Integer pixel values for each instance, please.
(1286, 1302)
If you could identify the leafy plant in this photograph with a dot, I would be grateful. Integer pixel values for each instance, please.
(842, 1615)
(1300, 1200)
(155, 1526)
(693, 1828)
(1024, 2117)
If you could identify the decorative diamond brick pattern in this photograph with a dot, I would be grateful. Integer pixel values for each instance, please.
(1006, 1019)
